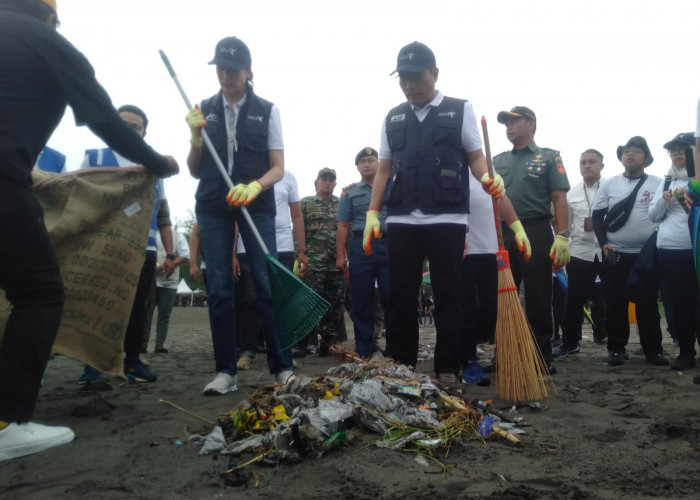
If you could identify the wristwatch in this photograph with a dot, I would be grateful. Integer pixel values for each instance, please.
(171, 256)
(565, 233)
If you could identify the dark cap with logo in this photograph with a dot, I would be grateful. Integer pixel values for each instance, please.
(517, 112)
(639, 142)
(326, 172)
(231, 53)
(368, 151)
(683, 140)
(415, 57)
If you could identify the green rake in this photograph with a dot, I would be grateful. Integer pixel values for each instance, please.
(297, 306)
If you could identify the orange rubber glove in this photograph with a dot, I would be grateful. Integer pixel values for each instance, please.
(493, 185)
(372, 230)
(195, 119)
(521, 239)
(243, 194)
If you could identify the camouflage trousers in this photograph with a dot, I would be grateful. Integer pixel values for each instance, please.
(329, 284)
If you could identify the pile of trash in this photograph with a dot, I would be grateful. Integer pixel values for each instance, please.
(308, 417)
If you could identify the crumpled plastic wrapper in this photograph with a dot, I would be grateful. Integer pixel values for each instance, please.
(327, 415)
(212, 442)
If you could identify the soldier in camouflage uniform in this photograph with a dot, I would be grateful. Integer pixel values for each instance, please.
(322, 274)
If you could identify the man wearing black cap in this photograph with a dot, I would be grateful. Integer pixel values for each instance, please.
(678, 282)
(621, 248)
(247, 135)
(426, 144)
(364, 270)
(40, 74)
(536, 181)
(322, 275)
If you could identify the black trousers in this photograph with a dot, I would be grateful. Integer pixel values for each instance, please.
(409, 245)
(537, 275)
(134, 337)
(30, 277)
(479, 301)
(617, 301)
(582, 275)
(677, 270)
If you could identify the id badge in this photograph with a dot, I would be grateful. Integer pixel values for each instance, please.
(588, 224)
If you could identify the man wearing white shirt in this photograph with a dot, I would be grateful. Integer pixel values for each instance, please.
(586, 258)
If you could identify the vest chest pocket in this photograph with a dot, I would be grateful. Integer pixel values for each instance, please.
(257, 142)
(396, 135)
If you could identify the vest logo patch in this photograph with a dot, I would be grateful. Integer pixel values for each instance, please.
(255, 118)
(451, 114)
(211, 117)
(397, 118)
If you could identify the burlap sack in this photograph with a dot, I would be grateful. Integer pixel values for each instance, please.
(98, 220)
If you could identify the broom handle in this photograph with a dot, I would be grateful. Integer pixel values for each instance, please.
(212, 150)
(489, 164)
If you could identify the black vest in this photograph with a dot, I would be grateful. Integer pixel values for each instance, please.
(250, 161)
(429, 168)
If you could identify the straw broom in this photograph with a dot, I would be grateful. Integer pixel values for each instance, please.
(521, 373)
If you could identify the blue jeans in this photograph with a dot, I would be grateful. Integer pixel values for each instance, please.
(364, 271)
(217, 231)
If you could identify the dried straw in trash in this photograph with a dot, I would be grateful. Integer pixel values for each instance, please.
(521, 374)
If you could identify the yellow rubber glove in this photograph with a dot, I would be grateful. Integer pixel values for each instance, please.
(493, 185)
(243, 194)
(195, 119)
(372, 230)
(560, 252)
(521, 239)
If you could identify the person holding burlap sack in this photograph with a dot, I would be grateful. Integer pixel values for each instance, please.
(621, 234)
(40, 74)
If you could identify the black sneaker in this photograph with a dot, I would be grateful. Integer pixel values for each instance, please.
(683, 362)
(550, 369)
(614, 359)
(657, 360)
(562, 351)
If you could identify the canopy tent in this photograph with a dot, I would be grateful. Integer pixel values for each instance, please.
(183, 288)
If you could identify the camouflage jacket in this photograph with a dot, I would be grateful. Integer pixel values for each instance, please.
(320, 230)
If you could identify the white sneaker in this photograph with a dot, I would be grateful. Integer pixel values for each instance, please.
(18, 440)
(222, 383)
(285, 377)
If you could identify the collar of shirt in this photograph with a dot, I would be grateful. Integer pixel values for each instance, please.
(532, 147)
(421, 113)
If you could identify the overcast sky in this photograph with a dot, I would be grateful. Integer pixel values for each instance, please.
(595, 73)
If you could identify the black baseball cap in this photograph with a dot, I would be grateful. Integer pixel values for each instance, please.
(640, 142)
(368, 151)
(232, 53)
(683, 140)
(415, 57)
(517, 112)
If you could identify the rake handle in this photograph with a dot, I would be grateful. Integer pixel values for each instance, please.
(212, 150)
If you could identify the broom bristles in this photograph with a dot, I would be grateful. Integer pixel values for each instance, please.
(297, 307)
(521, 373)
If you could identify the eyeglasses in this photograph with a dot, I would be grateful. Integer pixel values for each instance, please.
(675, 152)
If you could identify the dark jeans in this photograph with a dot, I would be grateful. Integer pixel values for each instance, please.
(217, 230)
(537, 275)
(134, 337)
(617, 301)
(30, 277)
(479, 301)
(677, 270)
(364, 271)
(582, 276)
(248, 320)
(409, 245)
